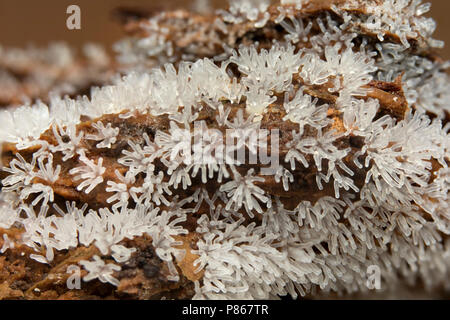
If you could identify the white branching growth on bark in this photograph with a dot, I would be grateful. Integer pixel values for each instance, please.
(251, 243)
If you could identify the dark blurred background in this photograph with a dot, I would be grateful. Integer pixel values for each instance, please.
(38, 22)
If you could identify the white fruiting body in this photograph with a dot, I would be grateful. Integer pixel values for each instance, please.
(398, 220)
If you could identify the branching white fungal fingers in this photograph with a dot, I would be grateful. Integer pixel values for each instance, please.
(98, 269)
(360, 102)
(21, 174)
(68, 141)
(122, 254)
(284, 175)
(154, 190)
(243, 192)
(140, 159)
(7, 244)
(91, 173)
(303, 110)
(176, 145)
(45, 193)
(106, 135)
(46, 171)
(122, 190)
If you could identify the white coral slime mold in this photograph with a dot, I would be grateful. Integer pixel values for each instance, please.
(376, 181)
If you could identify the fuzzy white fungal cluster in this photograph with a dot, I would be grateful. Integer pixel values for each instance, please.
(403, 18)
(105, 228)
(397, 219)
(57, 54)
(243, 10)
(33, 73)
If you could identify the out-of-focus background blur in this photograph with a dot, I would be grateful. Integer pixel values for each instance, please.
(39, 22)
